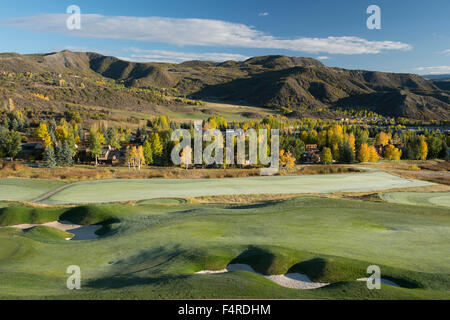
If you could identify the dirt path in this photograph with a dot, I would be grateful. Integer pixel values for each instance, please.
(53, 192)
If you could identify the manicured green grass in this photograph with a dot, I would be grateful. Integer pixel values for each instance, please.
(440, 199)
(16, 214)
(26, 189)
(42, 233)
(125, 190)
(153, 251)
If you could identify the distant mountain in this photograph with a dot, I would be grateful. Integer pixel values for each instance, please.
(304, 85)
(437, 76)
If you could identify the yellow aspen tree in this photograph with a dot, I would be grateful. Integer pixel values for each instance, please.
(374, 156)
(423, 149)
(42, 132)
(186, 157)
(382, 139)
(287, 160)
(364, 153)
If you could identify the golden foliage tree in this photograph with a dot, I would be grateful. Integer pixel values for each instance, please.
(374, 156)
(422, 151)
(364, 153)
(392, 153)
(42, 132)
(287, 160)
(186, 157)
(382, 139)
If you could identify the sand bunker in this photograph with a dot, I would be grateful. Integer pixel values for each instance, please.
(80, 232)
(289, 280)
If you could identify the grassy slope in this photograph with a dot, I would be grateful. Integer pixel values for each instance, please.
(26, 189)
(328, 239)
(125, 190)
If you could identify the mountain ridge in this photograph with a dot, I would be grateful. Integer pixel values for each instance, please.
(301, 84)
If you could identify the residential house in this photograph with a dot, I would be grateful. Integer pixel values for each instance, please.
(311, 154)
(33, 149)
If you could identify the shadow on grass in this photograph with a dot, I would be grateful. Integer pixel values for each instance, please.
(259, 259)
(88, 215)
(313, 268)
(255, 206)
(118, 282)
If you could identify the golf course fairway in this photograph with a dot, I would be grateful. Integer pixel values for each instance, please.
(153, 251)
(26, 189)
(127, 190)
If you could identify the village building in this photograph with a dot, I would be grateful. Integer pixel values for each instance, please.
(311, 154)
(33, 149)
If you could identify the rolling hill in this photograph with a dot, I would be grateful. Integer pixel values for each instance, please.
(303, 85)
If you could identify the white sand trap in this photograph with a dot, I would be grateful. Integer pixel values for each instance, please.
(383, 281)
(80, 232)
(290, 280)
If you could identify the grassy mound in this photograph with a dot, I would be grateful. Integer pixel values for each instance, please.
(14, 215)
(42, 233)
(88, 215)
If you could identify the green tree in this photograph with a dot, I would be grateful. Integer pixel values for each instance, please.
(157, 146)
(67, 155)
(49, 158)
(444, 151)
(96, 141)
(10, 143)
(346, 153)
(148, 152)
(326, 156)
(113, 138)
(292, 144)
(434, 146)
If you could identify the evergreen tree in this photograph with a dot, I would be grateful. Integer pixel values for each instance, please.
(49, 158)
(59, 155)
(346, 153)
(67, 155)
(444, 151)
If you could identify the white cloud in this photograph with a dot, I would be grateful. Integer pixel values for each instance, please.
(434, 70)
(323, 58)
(446, 51)
(139, 55)
(198, 32)
(263, 14)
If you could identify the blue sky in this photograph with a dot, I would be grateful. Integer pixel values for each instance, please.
(414, 38)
